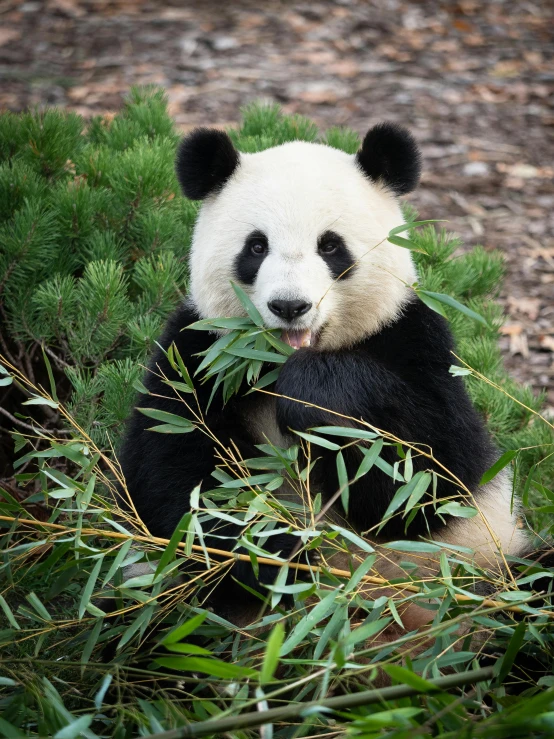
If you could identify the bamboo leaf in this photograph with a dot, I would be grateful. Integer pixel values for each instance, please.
(100, 695)
(271, 657)
(359, 573)
(208, 324)
(504, 461)
(8, 613)
(431, 302)
(418, 490)
(34, 600)
(371, 457)
(281, 346)
(89, 587)
(306, 624)
(216, 348)
(448, 300)
(168, 428)
(116, 564)
(453, 508)
(248, 305)
(346, 432)
(366, 631)
(266, 380)
(142, 620)
(404, 243)
(250, 481)
(342, 475)
(76, 728)
(165, 417)
(37, 400)
(50, 374)
(412, 546)
(406, 677)
(213, 667)
(512, 650)
(256, 354)
(319, 440)
(414, 224)
(169, 552)
(91, 643)
(139, 386)
(354, 538)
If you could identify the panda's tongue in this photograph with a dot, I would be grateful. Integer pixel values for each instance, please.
(297, 339)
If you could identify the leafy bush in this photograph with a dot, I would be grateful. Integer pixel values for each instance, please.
(94, 243)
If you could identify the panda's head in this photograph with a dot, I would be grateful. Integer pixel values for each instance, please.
(302, 228)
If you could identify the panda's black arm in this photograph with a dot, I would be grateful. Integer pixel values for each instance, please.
(397, 381)
(161, 470)
(333, 388)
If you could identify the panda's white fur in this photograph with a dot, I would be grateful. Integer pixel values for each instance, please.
(279, 191)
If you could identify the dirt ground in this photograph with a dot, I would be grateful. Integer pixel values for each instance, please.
(473, 80)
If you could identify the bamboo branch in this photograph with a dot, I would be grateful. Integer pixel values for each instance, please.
(218, 727)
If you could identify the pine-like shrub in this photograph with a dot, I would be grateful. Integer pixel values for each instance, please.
(93, 243)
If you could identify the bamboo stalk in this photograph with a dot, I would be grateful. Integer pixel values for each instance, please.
(218, 727)
(458, 597)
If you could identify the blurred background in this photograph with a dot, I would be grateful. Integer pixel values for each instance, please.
(473, 80)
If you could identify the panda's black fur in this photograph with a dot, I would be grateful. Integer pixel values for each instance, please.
(390, 154)
(205, 161)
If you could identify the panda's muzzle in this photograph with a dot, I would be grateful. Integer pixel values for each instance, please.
(289, 310)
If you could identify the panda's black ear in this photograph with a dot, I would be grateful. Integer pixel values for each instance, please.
(205, 160)
(390, 155)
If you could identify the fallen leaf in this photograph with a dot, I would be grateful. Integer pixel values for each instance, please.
(527, 306)
(525, 171)
(9, 34)
(546, 343)
(519, 345)
(511, 329)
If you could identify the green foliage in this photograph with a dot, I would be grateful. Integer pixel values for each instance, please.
(90, 648)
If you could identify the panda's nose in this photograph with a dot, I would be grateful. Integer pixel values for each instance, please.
(288, 310)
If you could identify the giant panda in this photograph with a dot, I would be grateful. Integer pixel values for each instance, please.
(301, 228)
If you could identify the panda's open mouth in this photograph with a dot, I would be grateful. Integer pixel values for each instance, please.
(299, 339)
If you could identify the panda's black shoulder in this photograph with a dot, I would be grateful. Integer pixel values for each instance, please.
(176, 329)
(187, 341)
(417, 334)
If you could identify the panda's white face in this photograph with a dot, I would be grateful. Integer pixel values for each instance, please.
(300, 227)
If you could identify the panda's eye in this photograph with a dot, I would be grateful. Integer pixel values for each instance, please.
(329, 243)
(257, 244)
(329, 247)
(258, 248)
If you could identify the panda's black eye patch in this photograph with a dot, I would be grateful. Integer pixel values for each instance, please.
(335, 253)
(250, 258)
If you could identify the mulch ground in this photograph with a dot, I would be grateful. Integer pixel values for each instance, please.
(474, 81)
